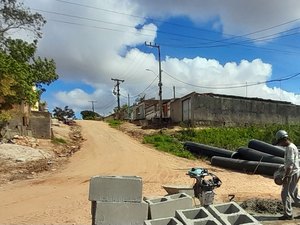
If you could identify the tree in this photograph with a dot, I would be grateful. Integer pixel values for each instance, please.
(20, 70)
(121, 113)
(63, 114)
(14, 16)
(89, 115)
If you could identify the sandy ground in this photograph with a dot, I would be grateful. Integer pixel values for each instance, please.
(61, 197)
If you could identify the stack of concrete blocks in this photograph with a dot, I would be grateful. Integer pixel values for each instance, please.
(196, 216)
(231, 214)
(167, 205)
(220, 214)
(117, 200)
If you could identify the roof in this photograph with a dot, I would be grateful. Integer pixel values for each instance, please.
(236, 97)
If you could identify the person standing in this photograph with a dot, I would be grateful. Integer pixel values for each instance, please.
(289, 192)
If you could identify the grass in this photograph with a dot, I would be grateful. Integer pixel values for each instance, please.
(56, 140)
(114, 123)
(167, 143)
(230, 138)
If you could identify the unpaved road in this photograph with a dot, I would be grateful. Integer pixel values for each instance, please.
(62, 196)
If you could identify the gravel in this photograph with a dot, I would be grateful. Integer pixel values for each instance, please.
(19, 153)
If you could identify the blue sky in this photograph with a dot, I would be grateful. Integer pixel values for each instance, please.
(245, 48)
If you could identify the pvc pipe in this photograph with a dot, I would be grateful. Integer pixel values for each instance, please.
(266, 147)
(206, 150)
(253, 167)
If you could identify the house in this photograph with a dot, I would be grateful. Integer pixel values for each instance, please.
(146, 109)
(149, 110)
(217, 109)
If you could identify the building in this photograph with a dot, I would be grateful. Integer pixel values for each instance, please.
(227, 110)
(148, 111)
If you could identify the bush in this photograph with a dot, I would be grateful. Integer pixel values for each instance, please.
(114, 123)
(168, 144)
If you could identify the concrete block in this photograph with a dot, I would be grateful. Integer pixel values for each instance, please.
(167, 205)
(231, 214)
(196, 216)
(116, 189)
(163, 221)
(119, 213)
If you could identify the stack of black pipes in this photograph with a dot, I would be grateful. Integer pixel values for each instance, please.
(257, 158)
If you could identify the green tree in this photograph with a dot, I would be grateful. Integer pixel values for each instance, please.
(89, 115)
(122, 113)
(63, 114)
(20, 70)
(14, 16)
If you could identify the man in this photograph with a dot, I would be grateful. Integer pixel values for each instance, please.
(289, 192)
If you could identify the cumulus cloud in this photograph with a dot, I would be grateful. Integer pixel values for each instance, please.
(233, 16)
(94, 44)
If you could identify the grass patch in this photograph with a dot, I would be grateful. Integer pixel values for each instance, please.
(59, 141)
(230, 138)
(114, 123)
(167, 143)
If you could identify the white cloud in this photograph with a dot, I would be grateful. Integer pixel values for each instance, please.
(233, 16)
(95, 48)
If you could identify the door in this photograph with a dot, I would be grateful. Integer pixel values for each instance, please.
(186, 110)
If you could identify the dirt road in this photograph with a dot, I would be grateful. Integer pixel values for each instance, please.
(62, 196)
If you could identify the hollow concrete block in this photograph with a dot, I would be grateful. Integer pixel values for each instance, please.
(115, 189)
(167, 205)
(231, 214)
(119, 213)
(163, 221)
(196, 216)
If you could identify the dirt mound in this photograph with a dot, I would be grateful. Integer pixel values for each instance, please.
(265, 206)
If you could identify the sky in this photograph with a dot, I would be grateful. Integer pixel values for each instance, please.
(243, 48)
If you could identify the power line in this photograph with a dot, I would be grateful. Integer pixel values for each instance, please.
(238, 85)
(145, 88)
(181, 25)
(210, 41)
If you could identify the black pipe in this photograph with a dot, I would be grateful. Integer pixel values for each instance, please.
(253, 167)
(266, 147)
(255, 155)
(206, 150)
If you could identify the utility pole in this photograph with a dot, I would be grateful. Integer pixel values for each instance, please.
(118, 90)
(93, 108)
(174, 93)
(159, 82)
(128, 107)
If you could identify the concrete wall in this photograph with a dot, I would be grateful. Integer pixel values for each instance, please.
(40, 124)
(210, 109)
(16, 126)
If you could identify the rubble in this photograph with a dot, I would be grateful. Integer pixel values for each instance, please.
(23, 157)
